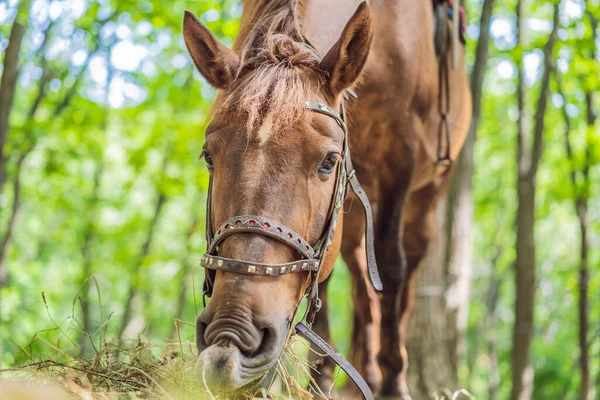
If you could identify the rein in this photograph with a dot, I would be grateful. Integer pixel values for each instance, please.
(445, 10)
(312, 255)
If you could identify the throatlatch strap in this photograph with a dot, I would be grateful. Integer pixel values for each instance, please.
(324, 347)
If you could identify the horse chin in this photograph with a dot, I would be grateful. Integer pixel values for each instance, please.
(224, 369)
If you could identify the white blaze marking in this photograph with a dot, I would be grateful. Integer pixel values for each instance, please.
(264, 132)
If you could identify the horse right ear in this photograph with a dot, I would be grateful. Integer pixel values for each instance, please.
(215, 61)
(344, 63)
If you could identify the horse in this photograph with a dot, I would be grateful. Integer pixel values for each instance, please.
(277, 170)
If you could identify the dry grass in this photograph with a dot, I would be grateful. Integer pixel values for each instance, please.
(139, 369)
(135, 370)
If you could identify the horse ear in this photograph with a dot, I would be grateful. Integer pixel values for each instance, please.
(215, 61)
(345, 61)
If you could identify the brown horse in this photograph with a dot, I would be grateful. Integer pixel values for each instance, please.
(269, 156)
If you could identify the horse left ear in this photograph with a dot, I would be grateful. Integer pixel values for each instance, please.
(344, 63)
(217, 63)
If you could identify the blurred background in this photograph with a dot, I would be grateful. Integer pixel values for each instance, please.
(102, 194)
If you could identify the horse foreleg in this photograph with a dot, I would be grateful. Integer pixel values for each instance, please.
(419, 220)
(392, 268)
(365, 326)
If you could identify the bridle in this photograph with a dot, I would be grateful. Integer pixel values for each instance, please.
(313, 256)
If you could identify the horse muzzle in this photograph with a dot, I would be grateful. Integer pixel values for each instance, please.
(234, 351)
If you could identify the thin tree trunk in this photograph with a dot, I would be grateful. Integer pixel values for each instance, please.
(13, 215)
(580, 201)
(187, 264)
(442, 282)
(144, 251)
(584, 360)
(85, 340)
(10, 73)
(528, 160)
(459, 256)
(430, 368)
(492, 302)
(31, 114)
(586, 391)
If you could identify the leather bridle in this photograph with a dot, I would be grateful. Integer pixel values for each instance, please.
(312, 255)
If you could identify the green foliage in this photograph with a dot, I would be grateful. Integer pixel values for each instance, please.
(114, 134)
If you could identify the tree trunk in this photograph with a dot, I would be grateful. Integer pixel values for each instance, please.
(10, 74)
(528, 160)
(584, 359)
(585, 391)
(86, 339)
(443, 279)
(13, 215)
(430, 370)
(137, 266)
(187, 263)
(522, 371)
(459, 256)
(492, 302)
(28, 137)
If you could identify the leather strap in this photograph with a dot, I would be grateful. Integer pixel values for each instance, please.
(265, 226)
(326, 110)
(318, 342)
(360, 193)
(252, 268)
(369, 238)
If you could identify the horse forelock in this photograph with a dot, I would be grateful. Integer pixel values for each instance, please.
(277, 71)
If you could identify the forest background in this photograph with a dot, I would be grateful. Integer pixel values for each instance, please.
(102, 195)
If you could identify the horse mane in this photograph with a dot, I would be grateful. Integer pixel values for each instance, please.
(276, 70)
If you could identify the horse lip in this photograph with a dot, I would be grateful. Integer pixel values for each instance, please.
(227, 336)
(248, 375)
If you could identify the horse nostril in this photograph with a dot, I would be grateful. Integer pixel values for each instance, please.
(269, 342)
(266, 339)
(200, 331)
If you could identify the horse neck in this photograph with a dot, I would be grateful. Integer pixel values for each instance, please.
(259, 14)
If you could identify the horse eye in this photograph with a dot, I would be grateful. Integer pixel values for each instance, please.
(209, 161)
(328, 164)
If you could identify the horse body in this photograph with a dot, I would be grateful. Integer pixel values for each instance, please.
(393, 137)
(393, 141)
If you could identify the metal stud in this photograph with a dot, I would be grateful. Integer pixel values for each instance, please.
(282, 270)
(219, 263)
(304, 266)
(210, 261)
(268, 270)
(251, 269)
(294, 267)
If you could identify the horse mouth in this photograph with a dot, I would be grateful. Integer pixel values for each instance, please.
(230, 360)
(224, 368)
